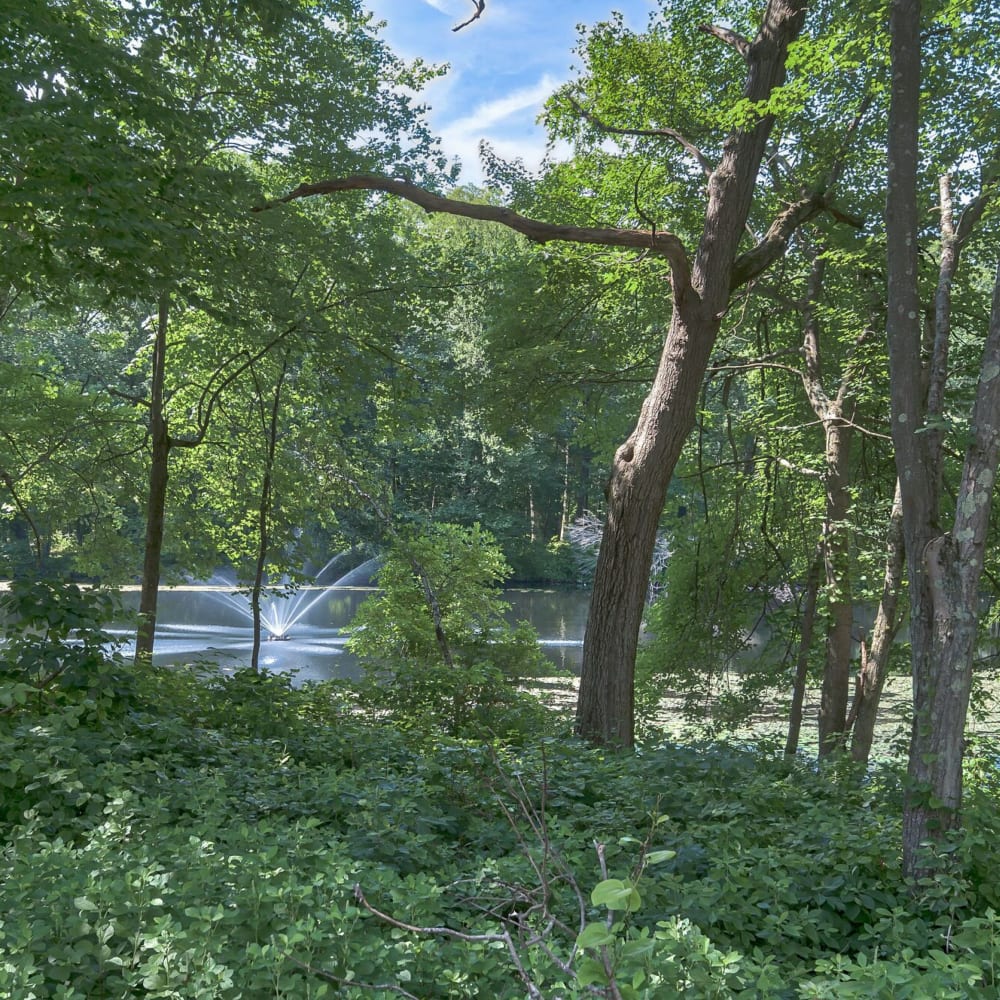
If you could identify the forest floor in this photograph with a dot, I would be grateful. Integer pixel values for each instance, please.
(771, 721)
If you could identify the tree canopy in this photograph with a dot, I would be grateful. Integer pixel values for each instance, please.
(248, 318)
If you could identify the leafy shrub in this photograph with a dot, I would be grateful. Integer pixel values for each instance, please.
(714, 588)
(207, 843)
(53, 643)
(434, 644)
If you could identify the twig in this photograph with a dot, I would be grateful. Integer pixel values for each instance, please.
(341, 981)
(449, 932)
(434, 931)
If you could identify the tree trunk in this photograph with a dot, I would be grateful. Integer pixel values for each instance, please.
(836, 559)
(802, 661)
(944, 568)
(644, 464)
(565, 513)
(264, 513)
(836, 415)
(952, 567)
(156, 502)
(875, 658)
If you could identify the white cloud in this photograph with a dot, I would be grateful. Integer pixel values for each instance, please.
(507, 123)
(491, 113)
(444, 6)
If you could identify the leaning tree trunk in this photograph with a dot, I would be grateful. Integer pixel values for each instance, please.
(636, 493)
(156, 501)
(875, 656)
(643, 465)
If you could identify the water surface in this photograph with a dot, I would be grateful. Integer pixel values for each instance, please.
(212, 625)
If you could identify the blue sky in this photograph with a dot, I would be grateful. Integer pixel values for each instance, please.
(503, 66)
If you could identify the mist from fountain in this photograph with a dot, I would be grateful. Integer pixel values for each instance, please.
(211, 623)
(285, 606)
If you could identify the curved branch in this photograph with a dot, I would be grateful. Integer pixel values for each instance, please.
(8, 480)
(213, 390)
(753, 262)
(646, 133)
(480, 6)
(665, 244)
(727, 35)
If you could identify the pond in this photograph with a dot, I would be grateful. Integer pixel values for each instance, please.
(204, 624)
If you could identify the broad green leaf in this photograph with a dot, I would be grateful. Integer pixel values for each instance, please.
(594, 936)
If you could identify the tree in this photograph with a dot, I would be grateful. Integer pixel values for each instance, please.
(433, 641)
(66, 451)
(701, 289)
(944, 566)
(150, 203)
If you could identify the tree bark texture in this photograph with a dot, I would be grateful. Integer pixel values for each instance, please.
(644, 464)
(156, 501)
(808, 619)
(875, 655)
(952, 567)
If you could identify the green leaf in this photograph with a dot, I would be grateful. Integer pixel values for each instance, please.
(591, 972)
(655, 857)
(616, 895)
(595, 936)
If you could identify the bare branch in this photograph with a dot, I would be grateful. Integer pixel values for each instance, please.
(646, 133)
(665, 244)
(449, 932)
(974, 210)
(839, 160)
(480, 6)
(801, 470)
(727, 35)
(359, 896)
(353, 983)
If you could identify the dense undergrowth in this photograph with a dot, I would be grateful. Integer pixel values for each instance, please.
(166, 835)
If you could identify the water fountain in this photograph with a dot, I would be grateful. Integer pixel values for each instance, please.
(286, 606)
(211, 621)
